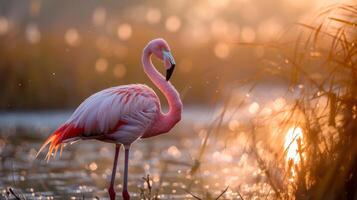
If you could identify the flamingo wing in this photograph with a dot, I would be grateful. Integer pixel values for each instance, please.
(119, 114)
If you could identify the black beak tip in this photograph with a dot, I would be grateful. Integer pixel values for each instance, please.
(169, 72)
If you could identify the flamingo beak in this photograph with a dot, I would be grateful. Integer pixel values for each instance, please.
(169, 72)
(170, 59)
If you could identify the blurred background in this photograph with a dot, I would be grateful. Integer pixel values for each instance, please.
(269, 91)
(55, 54)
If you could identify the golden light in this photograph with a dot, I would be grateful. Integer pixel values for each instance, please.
(266, 111)
(173, 23)
(269, 29)
(102, 43)
(72, 37)
(253, 108)
(93, 166)
(219, 28)
(121, 51)
(291, 144)
(279, 103)
(197, 33)
(153, 15)
(4, 25)
(248, 34)
(101, 65)
(119, 71)
(99, 16)
(33, 34)
(222, 156)
(219, 3)
(35, 8)
(156, 178)
(174, 152)
(124, 31)
(298, 4)
(221, 50)
(233, 32)
(233, 125)
(186, 65)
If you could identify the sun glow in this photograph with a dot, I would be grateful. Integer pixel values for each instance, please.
(292, 137)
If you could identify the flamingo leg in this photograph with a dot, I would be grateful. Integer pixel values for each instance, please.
(111, 190)
(125, 193)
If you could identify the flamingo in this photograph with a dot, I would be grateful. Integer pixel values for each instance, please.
(124, 114)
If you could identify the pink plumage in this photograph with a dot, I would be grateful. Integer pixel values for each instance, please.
(123, 114)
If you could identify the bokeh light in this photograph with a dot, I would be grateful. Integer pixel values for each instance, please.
(99, 16)
(35, 8)
(174, 152)
(279, 103)
(93, 166)
(4, 25)
(219, 28)
(221, 50)
(269, 29)
(248, 34)
(124, 31)
(72, 37)
(233, 125)
(293, 135)
(119, 71)
(153, 15)
(173, 23)
(253, 108)
(33, 34)
(101, 65)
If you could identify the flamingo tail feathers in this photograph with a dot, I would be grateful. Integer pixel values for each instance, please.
(57, 139)
(54, 141)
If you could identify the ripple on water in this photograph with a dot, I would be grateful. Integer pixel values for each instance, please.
(85, 167)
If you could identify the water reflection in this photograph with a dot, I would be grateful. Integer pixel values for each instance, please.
(293, 136)
(84, 168)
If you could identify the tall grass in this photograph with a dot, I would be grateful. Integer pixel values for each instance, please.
(318, 59)
(320, 64)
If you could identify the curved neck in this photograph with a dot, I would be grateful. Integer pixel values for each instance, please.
(168, 120)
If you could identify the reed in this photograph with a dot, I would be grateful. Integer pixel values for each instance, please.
(318, 59)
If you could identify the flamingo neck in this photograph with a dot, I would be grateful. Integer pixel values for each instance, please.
(167, 120)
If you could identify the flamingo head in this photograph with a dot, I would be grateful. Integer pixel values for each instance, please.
(161, 50)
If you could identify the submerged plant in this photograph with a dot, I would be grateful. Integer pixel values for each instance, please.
(147, 192)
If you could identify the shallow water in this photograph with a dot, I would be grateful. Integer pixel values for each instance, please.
(84, 168)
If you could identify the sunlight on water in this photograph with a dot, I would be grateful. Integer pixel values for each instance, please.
(292, 137)
(253, 108)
